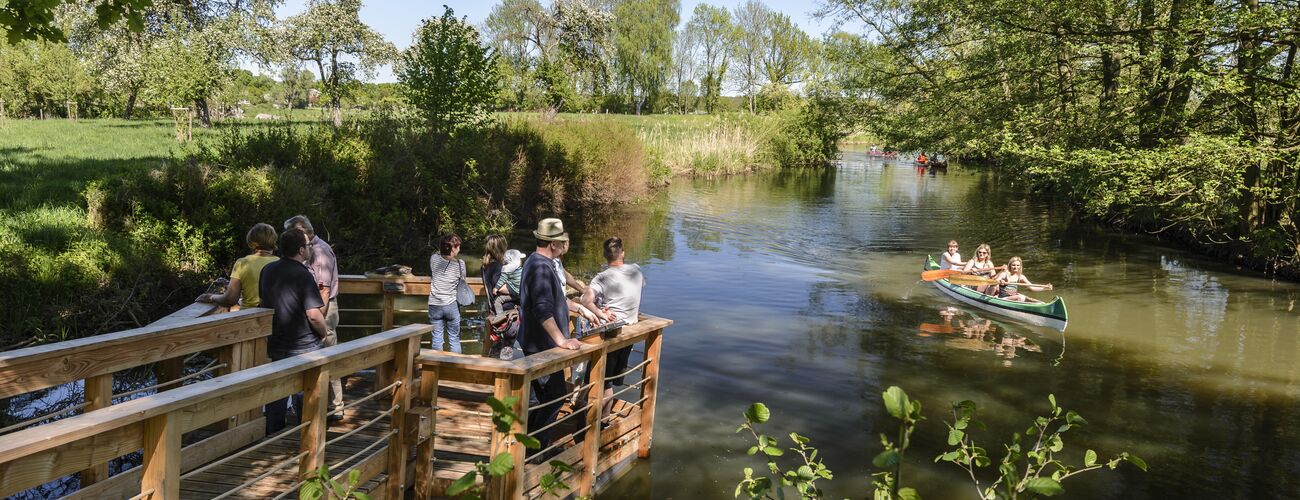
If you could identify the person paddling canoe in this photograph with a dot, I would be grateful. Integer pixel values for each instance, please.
(952, 258)
(982, 265)
(1011, 279)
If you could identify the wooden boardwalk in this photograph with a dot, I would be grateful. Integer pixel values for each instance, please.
(419, 418)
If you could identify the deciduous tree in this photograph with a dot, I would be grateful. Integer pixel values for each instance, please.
(448, 74)
(331, 36)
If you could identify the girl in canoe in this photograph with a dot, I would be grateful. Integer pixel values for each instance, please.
(952, 258)
(982, 265)
(1010, 281)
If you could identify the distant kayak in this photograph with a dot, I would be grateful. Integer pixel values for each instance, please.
(1051, 314)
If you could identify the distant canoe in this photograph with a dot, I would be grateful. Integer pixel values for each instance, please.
(1051, 314)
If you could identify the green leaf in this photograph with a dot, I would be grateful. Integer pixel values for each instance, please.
(886, 459)
(1073, 418)
(311, 490)
(502, 464)
(464, 483)
(354, 475)
(560, 466)
(1051, 398)
(948, 457)
(965, 409)
(960, 424)
(1133, 459)
(1044, 486)
(1089, 458)
(806, 473)
(954, 436)
(908, 494)
(757, 413)
(773, 451)
(360, 496)
(896, 402)
(528, 441)
(752, 450)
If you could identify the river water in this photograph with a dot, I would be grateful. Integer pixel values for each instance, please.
(800, 290)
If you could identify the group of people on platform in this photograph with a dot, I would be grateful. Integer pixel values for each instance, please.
(300, 286)
(1009, 277)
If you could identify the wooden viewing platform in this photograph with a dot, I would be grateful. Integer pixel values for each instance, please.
(417, 418)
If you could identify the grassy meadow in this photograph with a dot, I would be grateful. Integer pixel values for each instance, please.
(107, 223)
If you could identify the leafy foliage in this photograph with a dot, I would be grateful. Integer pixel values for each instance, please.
(448, 74)
(322, 486)
(330, 35)
(1026, 469)
(504, 419)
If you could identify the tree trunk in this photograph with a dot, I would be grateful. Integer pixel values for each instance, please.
(336, 110)
(201, 111)
(1251, 210)
(1146, 71)
(130, 104)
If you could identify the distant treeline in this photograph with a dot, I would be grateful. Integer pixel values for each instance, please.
(1174, 117)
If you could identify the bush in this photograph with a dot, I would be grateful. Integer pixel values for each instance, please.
(448, 74)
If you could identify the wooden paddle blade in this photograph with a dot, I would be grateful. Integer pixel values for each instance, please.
(933, 328)
(967, 279)
(939, 274)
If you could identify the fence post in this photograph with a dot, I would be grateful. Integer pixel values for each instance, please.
(168, 370)
(403, 361)
(99, 394)
(162, 458)
(591, 440)
(511, 485)
(424, 453)
(653, 342)
(315, 404)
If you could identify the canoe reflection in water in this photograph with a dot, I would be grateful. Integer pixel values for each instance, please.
(977, 334)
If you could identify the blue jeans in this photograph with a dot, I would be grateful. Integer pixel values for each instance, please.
(275, 410)
(446, 318)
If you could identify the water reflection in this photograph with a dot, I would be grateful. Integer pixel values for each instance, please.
(972, 333)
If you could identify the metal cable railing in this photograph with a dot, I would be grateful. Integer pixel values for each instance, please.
(373, 395)
(364, 426)
(561, 419)
(246, 451)
(630, 370)
(212, 366)
(565, 397)
(558, 442)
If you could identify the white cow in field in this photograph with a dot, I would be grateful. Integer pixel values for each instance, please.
(264, 116)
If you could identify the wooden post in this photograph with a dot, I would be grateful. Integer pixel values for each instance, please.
(233, 357)
(403, 363)
(653, 342)
(511, 486)
(315, 404)
(384, 373)
(591, 440)
(99, 394)
(168, 370)
(424, 453)
(162, 457)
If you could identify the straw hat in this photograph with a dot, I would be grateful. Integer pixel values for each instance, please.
(513, 259)
(551, 230)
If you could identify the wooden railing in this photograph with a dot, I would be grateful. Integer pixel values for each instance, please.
(600, 450)
(157, 423)
(238, 339)
(389, 289)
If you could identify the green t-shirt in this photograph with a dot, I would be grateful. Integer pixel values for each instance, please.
(248, 270)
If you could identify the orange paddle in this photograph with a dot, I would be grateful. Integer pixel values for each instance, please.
(933, 328)
(967, 279)
(939, 274)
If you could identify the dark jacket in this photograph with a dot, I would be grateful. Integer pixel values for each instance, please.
(540, 297)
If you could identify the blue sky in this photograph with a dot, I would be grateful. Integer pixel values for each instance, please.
(397, 19)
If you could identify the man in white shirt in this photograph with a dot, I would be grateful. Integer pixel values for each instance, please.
(619, 289)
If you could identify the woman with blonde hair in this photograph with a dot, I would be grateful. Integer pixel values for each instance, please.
(1010, 280)
(982, 264)
(243, 287)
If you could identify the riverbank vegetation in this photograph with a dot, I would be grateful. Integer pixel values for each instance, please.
(1170, 117)
(109, 223)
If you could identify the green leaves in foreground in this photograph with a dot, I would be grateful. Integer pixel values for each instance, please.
(504, 419)
(802, 476)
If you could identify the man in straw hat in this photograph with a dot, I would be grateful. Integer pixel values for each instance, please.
(544, 316)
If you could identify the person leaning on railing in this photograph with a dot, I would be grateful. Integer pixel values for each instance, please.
(243, 289)
(544, 317)
(297, 322)
(619, 288)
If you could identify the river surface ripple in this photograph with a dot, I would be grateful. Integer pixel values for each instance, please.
(800, 290)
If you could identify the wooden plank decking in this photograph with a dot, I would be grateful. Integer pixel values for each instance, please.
(463, 436)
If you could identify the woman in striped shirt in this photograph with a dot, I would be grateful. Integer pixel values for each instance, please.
(447, 273)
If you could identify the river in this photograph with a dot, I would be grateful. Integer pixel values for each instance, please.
(800, 290)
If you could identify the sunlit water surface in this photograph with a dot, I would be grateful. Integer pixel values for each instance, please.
(800, 290)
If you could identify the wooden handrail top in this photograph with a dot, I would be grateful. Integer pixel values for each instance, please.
(543, 362)
(192, 311)
(44, 366)
(414, 285)
(33, 440)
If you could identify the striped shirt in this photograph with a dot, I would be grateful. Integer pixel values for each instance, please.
(446, 274)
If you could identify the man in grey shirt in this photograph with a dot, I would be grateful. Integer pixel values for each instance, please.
(324, 266)
(619, 289)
